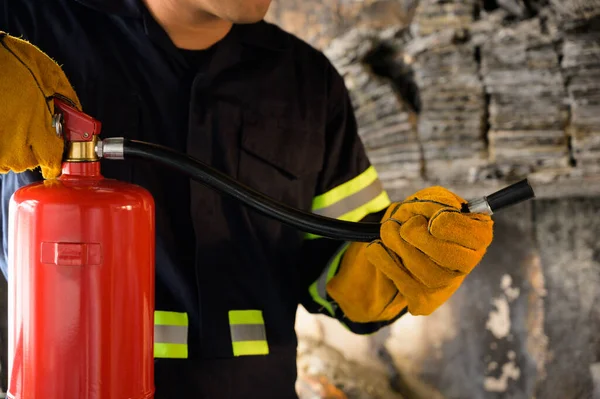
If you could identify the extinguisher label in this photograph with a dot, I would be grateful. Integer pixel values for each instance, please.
(71, 254)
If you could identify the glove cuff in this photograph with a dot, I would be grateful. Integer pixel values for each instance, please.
(361, 291)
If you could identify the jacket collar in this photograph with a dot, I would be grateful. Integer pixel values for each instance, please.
(123, 8)
(261, 34)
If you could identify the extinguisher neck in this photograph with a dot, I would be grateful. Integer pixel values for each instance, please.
(81, 170)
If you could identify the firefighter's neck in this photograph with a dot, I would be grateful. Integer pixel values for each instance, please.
(189, 29)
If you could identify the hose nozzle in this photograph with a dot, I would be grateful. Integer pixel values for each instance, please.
(508, 196)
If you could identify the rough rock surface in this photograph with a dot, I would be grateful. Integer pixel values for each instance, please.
(320, 21)
(527, 111)
(387, 125)
(581, 67)
(434, 15)
(576, 11)
(324, 373)
(451, 125)
(568, 233)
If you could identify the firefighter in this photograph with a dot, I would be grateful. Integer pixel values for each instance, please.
(212, 79)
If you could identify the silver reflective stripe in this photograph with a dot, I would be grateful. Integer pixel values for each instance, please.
(353, 201)
(248, 332)
(322, 283)
(170, 334)
(318, 289)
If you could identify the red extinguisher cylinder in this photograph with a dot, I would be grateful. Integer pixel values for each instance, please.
(81, 288)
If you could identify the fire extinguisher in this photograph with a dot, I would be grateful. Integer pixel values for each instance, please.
(81, 285)
(81, 265)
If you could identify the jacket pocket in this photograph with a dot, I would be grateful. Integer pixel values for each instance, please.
(280, 157)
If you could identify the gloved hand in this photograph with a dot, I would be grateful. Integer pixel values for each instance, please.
(28, 81)
(427, 248)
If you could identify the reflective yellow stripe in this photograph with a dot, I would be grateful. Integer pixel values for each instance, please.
(318, 289)
(171, 351)
(248, 334)
(246, 317)
(248, 348)
(352, 200)
(344, 190)
(170, 334)
(170, 318)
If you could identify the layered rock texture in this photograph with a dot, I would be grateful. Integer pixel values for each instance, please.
(581, 68)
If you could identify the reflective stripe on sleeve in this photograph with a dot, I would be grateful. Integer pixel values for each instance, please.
(318, 289)
(353, 200)
(248, 334)
(170, 334)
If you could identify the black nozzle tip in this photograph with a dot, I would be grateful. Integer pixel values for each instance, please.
(511, 195)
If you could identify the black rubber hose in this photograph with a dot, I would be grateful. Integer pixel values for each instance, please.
(303, 221)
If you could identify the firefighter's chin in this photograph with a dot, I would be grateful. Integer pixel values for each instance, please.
(244, 11)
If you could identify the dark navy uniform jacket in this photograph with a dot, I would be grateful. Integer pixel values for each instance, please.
(263, 107)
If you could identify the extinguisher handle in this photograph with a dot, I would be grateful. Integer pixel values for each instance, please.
(72, 124)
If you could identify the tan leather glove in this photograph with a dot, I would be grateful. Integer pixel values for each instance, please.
(28, 81)
(427, 248)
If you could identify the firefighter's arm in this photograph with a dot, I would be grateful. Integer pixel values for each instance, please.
(28, 82)
(427, 248)
(348, 188)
